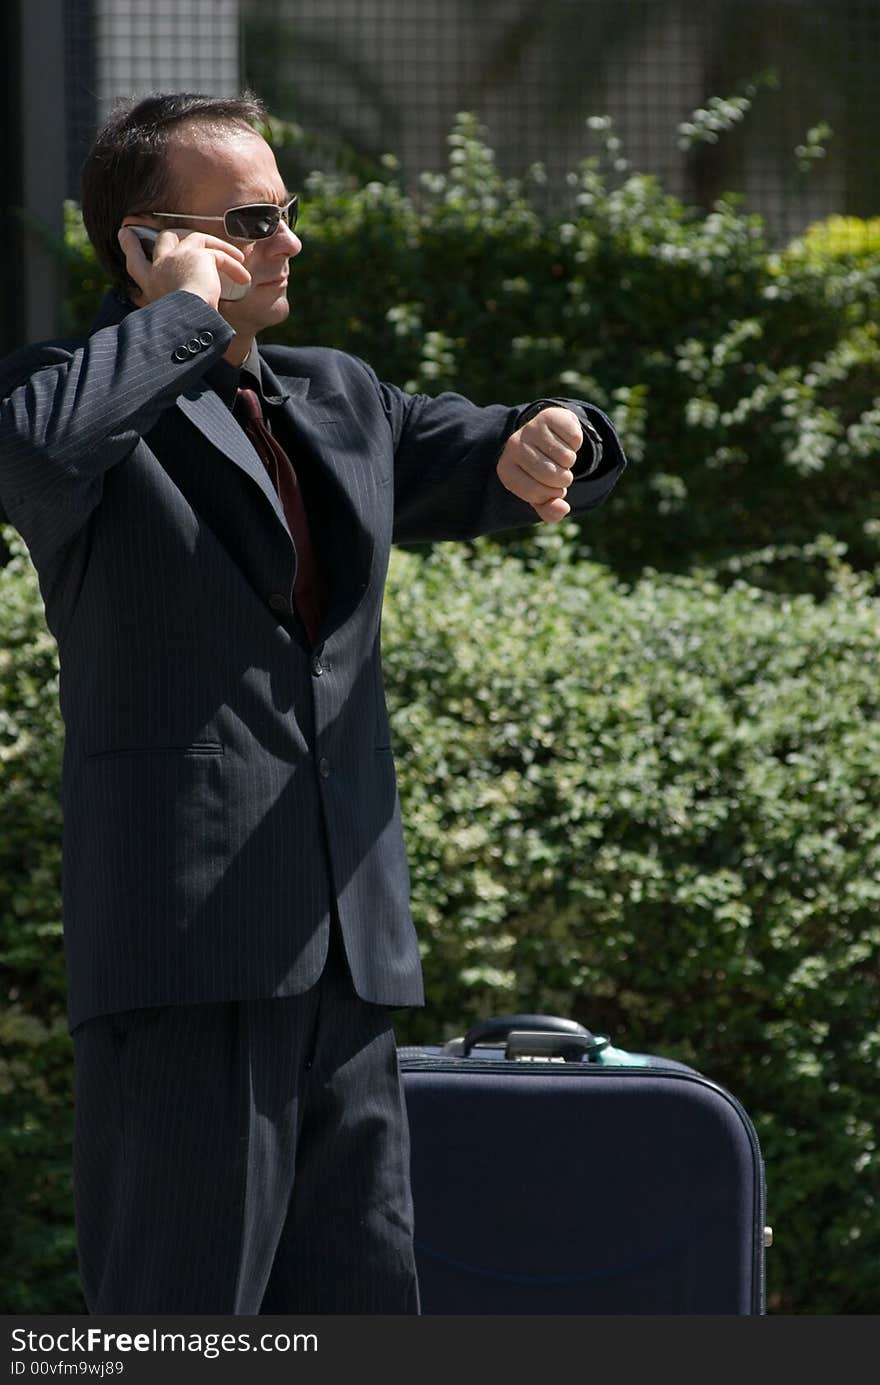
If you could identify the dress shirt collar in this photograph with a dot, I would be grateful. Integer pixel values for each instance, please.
(225, 379)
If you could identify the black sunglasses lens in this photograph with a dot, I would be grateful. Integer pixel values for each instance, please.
(259, 221)
(252, 223)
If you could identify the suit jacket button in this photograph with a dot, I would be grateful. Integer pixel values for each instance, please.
(317, 667)
(206, 338)
(324, 767)
(279, 603)
(193, 346)
(181, 354)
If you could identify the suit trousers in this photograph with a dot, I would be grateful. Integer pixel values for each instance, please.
(244, 1157)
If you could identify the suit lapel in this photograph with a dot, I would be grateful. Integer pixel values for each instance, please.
(315, 423)
(319, 425)
(206, 410)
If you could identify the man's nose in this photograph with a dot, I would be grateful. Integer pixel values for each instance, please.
(285, 242)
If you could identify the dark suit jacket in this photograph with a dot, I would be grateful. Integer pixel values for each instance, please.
(225, 786)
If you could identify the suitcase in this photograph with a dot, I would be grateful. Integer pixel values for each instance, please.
(553, 1173)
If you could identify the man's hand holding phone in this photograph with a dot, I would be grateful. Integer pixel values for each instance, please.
(161, 262)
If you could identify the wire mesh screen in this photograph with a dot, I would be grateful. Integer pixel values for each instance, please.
(377, 76)
(369, 77)
(124, 48)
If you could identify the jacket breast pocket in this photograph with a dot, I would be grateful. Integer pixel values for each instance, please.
(156, 842)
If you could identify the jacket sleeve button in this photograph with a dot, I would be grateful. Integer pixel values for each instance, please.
(180, 354)
(206, 338)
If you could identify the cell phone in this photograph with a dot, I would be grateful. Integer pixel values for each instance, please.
(229, 289)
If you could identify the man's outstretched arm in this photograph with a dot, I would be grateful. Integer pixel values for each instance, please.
(461, 470)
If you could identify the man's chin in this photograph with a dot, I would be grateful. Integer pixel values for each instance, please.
(281, 306)
(256, 317)
(279, 311)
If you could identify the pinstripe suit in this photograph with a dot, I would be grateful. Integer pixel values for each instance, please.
(229, 791)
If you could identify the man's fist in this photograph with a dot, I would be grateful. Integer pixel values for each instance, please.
(537, 460)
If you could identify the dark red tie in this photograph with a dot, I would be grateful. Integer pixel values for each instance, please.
(307, 587)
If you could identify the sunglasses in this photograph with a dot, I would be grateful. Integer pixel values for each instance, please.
(256, 221)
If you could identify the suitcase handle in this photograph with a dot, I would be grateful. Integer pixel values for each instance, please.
(569, 1039)
(574, 1048)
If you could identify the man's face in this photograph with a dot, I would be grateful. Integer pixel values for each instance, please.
(212, 172)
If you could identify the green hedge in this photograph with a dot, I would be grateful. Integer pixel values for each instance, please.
(37, 1260)
(743, 380)
(652, 808)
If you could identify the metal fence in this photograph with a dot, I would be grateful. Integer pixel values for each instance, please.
(369, 77)
(389, 75)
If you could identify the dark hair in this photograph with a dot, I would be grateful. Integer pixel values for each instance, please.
(126, 170)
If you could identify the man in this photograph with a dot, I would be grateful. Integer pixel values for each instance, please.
(211, 525)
